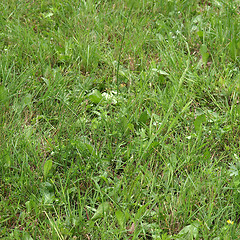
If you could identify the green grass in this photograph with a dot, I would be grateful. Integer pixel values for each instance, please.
(119, 119)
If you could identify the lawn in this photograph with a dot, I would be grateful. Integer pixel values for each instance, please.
(120, 119)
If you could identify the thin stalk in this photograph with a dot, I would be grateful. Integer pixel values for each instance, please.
(121, 46)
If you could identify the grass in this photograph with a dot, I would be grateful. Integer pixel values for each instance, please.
(119, 119)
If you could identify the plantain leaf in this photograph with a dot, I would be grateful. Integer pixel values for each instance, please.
(95, 96)
(103, 208)
(120, 218)
(144, 117)
(199, 120)
(47, 167)
(204, 53)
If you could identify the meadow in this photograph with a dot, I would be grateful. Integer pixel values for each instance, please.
(120, 119)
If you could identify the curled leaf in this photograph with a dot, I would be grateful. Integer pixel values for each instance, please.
(103, 208)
